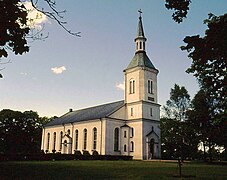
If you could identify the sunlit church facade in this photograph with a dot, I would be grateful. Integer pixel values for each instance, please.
(127, 127)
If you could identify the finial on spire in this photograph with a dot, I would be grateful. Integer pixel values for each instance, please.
(140, 12)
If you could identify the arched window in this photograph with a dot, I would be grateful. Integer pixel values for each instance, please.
(125, 148)
(94, 138)
(131, 111)
(85, 139)
(61, 136)
(150, 87)
(132, 146)
(54, 141)
(76, 139)
(125, 134)
(140, 45)
(151, 112)
(132, 132)
(68, 131)
(144, 45)
(132, 86)
(48, 141)
(116, 139)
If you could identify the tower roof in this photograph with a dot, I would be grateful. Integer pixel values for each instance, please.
(140, 32)
(140, 60)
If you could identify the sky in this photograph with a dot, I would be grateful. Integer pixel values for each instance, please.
(65, 71)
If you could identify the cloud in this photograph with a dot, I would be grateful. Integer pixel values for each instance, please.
(34, 18)
(120, 86)
(23, 73)
(58, 70)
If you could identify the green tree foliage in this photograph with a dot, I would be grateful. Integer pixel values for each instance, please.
(20, 133)
(180, 8)
(178, 103)
(178, 136)
(209, 62)
(209, 133)
(209, 65)
(178, 139)
(13, 28)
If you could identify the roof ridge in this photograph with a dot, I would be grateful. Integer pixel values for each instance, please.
(98, 105)
(115, 110)
(90, 113)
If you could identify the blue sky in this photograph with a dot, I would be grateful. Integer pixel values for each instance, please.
(94, 63)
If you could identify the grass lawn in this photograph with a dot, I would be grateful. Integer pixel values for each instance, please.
(108, 170)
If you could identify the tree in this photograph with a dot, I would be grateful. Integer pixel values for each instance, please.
(180, 7)
(20, 133)
(178, 137)
(15, 29)
(209, 65)
(14, 25)
(209, 61)
(209, 133)
(178, 103)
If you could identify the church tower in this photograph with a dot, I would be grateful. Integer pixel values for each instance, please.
(140, 77)
(141, 96)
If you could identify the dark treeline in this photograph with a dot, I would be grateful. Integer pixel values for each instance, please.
(188, 128)
(20, 132)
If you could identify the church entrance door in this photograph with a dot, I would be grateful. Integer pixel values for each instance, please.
(65, 147)
(151, 149)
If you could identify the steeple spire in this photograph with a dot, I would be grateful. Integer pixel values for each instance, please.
(140, 39)
(140, 58)
(140, 32)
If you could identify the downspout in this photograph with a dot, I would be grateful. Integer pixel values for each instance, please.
(64, 127)
(43, 139)
(101, 137)
(72, 138)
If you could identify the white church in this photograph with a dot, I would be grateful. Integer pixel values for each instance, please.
(127, 127)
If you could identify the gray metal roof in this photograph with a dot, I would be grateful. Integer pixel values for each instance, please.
(91, 113)
(142, 60)
(140, 32)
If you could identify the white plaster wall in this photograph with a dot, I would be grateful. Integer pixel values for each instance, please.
(155, 111)
(137, 111)
(125, 140)
(137, 138)
(80, 126)
(43, 136)
(132, 74)
(152, 75)
(141, 77)
(111, 124)
(147, 128)
(119, 114)
(89, 125)
(51, 130)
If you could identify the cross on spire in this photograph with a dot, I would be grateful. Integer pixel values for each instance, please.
(140, 12)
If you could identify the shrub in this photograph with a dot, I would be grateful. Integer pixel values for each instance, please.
(77, 153)
(86, 153)
(95, 153)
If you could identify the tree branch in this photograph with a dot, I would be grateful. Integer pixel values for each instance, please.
(55, 15)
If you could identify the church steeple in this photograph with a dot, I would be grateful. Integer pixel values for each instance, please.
(140, 58)
(140, 75)
(140, 38)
